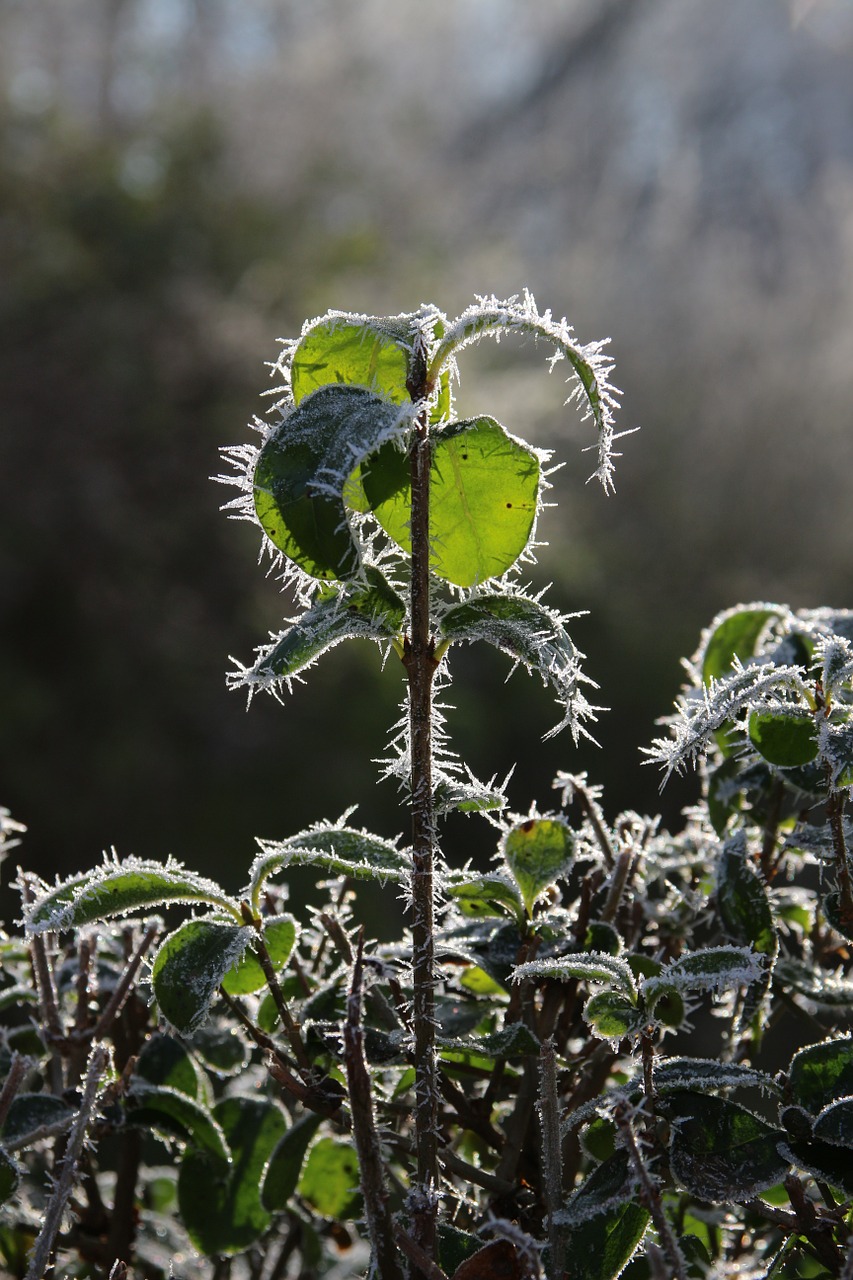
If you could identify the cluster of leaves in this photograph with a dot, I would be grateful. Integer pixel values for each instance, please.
(272, 1091)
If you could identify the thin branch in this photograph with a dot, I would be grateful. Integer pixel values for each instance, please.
(123, 987)
(549, 1119)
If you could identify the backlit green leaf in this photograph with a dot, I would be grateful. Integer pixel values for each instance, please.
(164, 1060)
(190, 965)
(734, 634)
(334, 849)
(611, 1016)
(279, 936)
(538, 851)
(484, 492)
(220, 1201)
(592, 967)
(330, 1179)
(835, 1123)
(173, 1113)
(742, 900)
(359, 351)
(302, 470)
(484, 895)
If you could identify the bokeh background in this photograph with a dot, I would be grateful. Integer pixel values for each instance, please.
(184, 181)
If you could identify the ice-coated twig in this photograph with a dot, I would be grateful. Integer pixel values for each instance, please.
(99, 1061)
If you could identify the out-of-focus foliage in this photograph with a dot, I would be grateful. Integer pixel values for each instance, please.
(177, 179)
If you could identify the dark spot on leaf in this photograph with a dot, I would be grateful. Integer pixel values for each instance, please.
(528, 825)
(509, 504)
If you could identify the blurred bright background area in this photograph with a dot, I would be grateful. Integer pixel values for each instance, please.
(184, 181)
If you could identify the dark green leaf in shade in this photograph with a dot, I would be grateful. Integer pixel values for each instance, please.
(372, 612)
(119, 889)
(164, 1060)
(279, 936)
(454, 1246)
(220, 1201)
(719, 1151)
(221, 1048)
(601, 1223)
(484, 494)
(302, 470)
(835, 1123)
(824, 989)
(538, 851)
(601, 936)
(735, 635)
(742, 900)
(606, 1188)
(285, 1166)
(10, 1176)
(361, 352)
(787, 741)
(31, 1111)
(824, 1161)
(190, 965)
(708, 1074)
(598, 1139)
(821, 1073)
(329, 1180)
(170, 1112)
(611, 1016)
(513, 1041)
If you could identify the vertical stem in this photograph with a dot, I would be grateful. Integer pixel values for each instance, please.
(552, 1164)
(420, 663)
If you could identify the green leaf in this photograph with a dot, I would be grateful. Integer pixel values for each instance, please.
(840, 919)
(742, 900)
(821, 1073)
(219, 1201)
(477, 981)
(782, 740)
(513, 1041)
(164, 1060)
(350, 349)
(374, 612)
(734, 634)
(703, 1074)
(720, 1151)
(190, 965)
(606, 1188)
(454, 1246)
(302, 470)
(538, 852)
(279, 936)
(611, 1016)
(714, 969)
(285, 1166)
(484, 494)
(120, 889)
(173, 1113)
(330, 1179)
(333, 849)
(835, 1123)
(596, 968)
(484, 895)
(221, 1051)
(10, 1176)
(600, 1249)
(824, 1161)
(31, 1111)
(531, 634)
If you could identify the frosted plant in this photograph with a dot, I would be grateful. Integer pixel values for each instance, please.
(511, 1087)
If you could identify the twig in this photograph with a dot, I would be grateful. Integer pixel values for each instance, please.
(291, 1027)
(549, 1119)
(371, 1171)
(650, 1194)
(123, 987)
(18, 1068)
(98, 1062)
(429, 1270)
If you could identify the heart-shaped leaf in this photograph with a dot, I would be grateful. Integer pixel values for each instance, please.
(279, 937)
(190, 965)
(538, 851)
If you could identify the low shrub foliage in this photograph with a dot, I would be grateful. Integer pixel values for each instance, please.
(569, 1065)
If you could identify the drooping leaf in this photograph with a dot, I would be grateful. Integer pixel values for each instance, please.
(220, 1200)
(822, 1073)
(164, 1060)
(538, 852)
(361, 351)
(329, 1180)
(171, 1112)
(333, 849)
(742, 900)
(283, 1171)
(783, 740)
(720, 1151)
(484, 493)
(279, 937)
(190, 965)
(595, 968)
(530, 633)
(120, 888)
(303, 468)
(706, 1074)
(372, 612)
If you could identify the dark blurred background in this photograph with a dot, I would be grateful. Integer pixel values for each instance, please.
(184, 181)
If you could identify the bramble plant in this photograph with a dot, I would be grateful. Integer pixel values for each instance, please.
(512, 1089)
